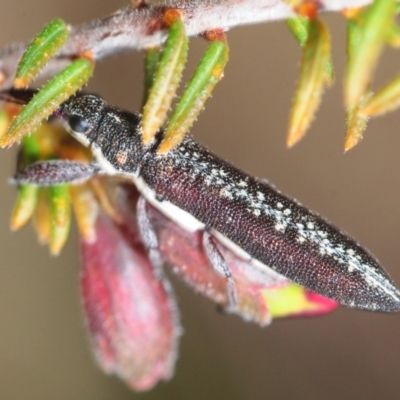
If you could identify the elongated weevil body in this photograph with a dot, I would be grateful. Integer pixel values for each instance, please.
(198, 190)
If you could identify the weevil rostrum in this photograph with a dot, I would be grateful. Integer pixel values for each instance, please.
(199, 191)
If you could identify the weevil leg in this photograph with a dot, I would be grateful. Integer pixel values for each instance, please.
(149, 238)
(219, 264)
(54, 172)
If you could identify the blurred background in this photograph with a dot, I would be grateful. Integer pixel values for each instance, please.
(44, 352)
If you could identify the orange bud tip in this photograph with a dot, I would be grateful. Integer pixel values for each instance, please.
(20, 83)
(307, 8)
(88, 54)
(293, 138)
(171, 15)
(6, 142)
(351, 13)
(55, 252)
(15, 225)
(215, 34)
(350, 143)
(168, 145)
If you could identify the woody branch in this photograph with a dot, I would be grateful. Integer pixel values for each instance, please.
(141, 25)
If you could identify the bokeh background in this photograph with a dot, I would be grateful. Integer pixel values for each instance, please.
(44, 352)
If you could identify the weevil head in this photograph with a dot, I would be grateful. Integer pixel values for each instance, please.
(112, 135)
(81, 116)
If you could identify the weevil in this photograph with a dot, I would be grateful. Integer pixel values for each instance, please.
(199, 191)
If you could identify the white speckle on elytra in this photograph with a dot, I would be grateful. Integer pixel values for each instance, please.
(371, 281)
(264, 202)
(242, 193)
(224, 192)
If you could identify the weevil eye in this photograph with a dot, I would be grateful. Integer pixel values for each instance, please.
(78, 124)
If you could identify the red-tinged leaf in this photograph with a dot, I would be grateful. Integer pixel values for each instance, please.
(132, 318)
(295, 301)
(255, 285)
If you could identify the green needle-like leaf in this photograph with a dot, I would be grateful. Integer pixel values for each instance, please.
(86, 210)
(152, 58)
(166, 80)
(394, 36)
(4, 122)
(60, 215)
(384, 101)
(40, 50)
(365, 47)
(24, 206)
(299, 26)
(311, 82)
(41, 217)
(30, 149)
(356, 125)
(48, 99)
(207, 75)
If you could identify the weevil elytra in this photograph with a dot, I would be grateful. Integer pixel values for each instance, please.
(200, 191)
